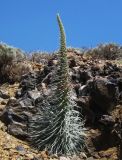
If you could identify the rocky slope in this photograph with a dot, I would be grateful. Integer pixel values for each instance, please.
(98, 92)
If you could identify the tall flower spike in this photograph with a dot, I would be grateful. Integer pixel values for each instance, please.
(58, 127)
(62, 36)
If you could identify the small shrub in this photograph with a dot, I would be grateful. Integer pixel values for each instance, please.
(108, 51)
(104, 51)
(9, 56)
(40, 57)
(17, 70)
(6, 55)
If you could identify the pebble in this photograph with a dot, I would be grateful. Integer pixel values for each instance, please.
(21, 150)
(30, 156)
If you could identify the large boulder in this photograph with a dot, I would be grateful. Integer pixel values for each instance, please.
(15, 116)
(104, 93)
(18, 111)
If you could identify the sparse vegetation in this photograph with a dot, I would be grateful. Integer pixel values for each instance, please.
(105, 51)
(11, 57)
(7, 55)
(11, 66)
(16, 70)
(40, 57)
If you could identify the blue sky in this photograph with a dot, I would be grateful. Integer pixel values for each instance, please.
(31, 24)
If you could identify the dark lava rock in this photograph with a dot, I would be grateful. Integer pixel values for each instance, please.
(84, 104)
(72, 63)
(109, 68)
(74, 73)
(104, 93)
(107, 120)
(84, 90)
(85, 76)
(120, 84)
(4, 94)
(29, 82)
(16, 115)
(120, 97)
(84, 101)
(18, 130)
(18, 111)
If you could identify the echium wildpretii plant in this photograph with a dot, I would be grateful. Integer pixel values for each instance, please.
(58, 127)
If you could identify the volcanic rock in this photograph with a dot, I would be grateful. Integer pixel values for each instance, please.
(4, 94)
(104, 93)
